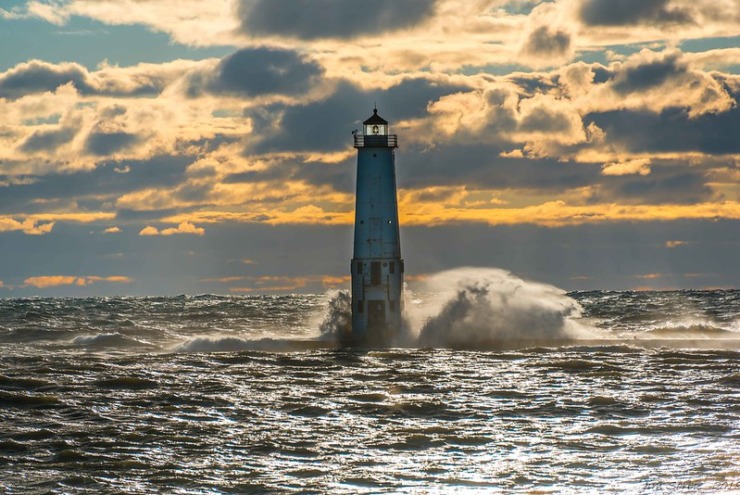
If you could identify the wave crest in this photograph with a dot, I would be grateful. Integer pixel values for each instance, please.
(231, 344)
(107, 340)
(484, 305)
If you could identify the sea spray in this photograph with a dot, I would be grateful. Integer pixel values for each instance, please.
(470, 307)
(337, 323)
(477, 306)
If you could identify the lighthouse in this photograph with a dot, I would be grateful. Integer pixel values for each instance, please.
(376, 268)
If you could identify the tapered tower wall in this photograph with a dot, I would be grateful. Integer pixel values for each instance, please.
(377, 267)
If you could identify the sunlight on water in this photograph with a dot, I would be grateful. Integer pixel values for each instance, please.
(504, 385)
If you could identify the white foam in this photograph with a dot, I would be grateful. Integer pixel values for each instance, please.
(107, 340)
(231, 344)
(466, 306)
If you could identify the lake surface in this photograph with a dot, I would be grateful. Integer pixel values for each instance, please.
(214, 394)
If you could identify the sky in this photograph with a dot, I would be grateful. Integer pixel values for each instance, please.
(163, 147)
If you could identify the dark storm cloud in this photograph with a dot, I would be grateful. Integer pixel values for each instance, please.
(629, 12)
(601, 74)
(531, 84)
(683, 188)
(48, 140)
(340, 176)
(649, 74)
(315, 19)
(38, 77)
(481, 166)
(546, 42)
(105, 143)
(671, 130)
(545, 120)
(203, 145)
(669, 182)
(259, 71)
(326, 125)
(112, 179)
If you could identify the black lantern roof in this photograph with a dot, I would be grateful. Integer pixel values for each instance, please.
(375, 119)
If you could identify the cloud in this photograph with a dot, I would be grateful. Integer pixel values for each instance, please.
(278, 283)
(183, 228)
(548, 43)
(666, 187)
(64, 188)
(269, 283)
(556, 213)
(149, 230)
(649, 71)
(334, 281)
(108, 143)
(670, 130)
(192, 22)
(47, 140)
(224, 280)
(640, 166)
(112, 230)
(258, 71)
(294, 128)
(36, 9)
(317, 19)
(675, 244)
(37, 76)
(45, 281)
(632, 12)
(28, 226)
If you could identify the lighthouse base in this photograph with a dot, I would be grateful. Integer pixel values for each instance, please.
(376, 301)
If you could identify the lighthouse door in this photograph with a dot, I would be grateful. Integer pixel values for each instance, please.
(376, 315)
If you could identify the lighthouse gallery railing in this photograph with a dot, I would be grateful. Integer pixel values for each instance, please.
(388, 141)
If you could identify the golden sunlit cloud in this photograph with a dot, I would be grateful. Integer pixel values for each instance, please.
(309, 214)
(332, 281)
(43, 282)
(183, 228)
(649, 276)
(559, 213)
(33, 224)
(223, 280)
(674, 244)
(549, 214)
(28, 226)
(271, 283)
(112, 230)
(640, 166)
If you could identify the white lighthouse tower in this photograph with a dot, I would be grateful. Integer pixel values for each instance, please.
(377, 268)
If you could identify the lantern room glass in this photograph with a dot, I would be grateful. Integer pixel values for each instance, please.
(376, 130)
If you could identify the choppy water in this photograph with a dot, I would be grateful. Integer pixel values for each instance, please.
(123, 395)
